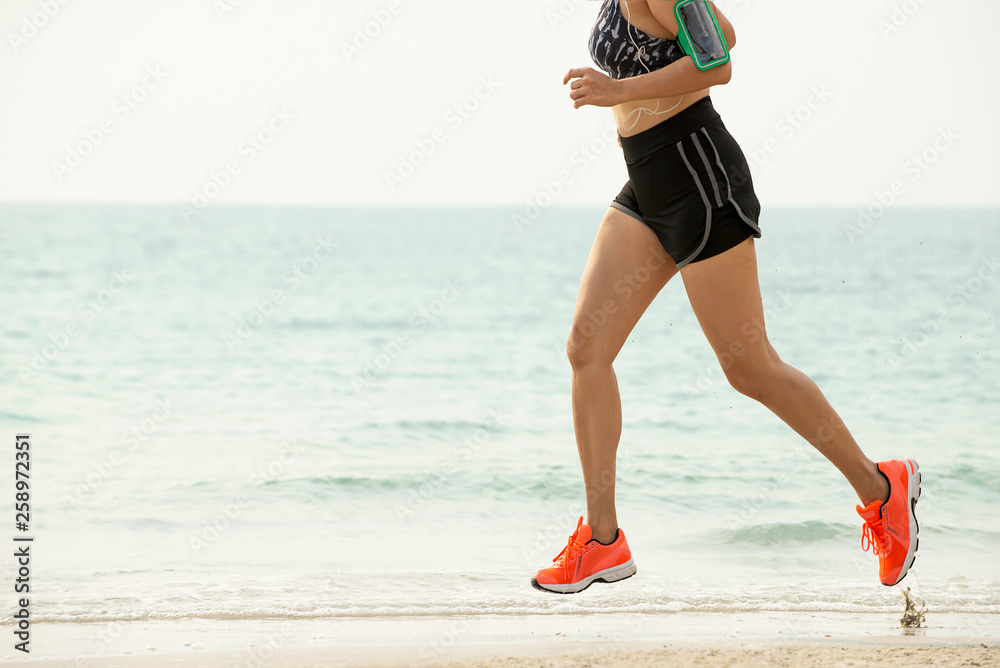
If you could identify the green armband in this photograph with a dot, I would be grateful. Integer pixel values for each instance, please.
(700, 34)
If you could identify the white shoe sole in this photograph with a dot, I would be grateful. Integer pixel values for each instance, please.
(912, 495)
(613, 574)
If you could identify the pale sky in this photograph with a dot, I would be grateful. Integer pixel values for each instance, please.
(138, 101)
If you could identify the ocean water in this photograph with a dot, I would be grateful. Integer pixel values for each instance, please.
(364, 414)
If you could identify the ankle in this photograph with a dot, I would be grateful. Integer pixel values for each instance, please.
(876, 487)
(604, 532)
(607, 539)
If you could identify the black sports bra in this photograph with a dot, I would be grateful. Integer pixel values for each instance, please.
(612, 48)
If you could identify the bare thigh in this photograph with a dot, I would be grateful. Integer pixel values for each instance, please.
(725, 296)
(626, 269)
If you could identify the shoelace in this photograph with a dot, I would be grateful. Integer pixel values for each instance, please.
(873, 536)
(572, 549)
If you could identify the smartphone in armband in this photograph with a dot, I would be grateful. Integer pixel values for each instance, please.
(700, 34)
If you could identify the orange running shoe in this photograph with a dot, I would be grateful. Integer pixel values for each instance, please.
(584, 561)
(891, 527)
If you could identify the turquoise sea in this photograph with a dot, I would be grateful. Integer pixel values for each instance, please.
(359, 415)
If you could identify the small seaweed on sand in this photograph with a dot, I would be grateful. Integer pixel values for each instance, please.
(912, 618)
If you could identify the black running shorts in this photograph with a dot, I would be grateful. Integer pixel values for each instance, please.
(690, 183)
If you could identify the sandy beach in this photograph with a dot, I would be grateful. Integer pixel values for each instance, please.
(878, 652)
(605, 640)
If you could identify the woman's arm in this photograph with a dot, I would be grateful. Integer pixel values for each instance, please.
(682, 76)
(677, 78)
(663, 11)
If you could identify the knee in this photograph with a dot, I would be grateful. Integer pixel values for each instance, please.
(751, 370)
(583, 346)
(751, 380)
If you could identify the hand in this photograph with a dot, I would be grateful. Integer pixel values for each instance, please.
(593, 87)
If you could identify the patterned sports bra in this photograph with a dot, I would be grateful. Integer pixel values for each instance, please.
(611, 45)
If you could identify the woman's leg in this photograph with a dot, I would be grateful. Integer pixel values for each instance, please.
(626, 269)
(725, 296)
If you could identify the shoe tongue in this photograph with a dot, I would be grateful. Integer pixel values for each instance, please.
(872, 512)
(584, 534)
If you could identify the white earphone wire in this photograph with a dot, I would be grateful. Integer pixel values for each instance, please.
(642, 52)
